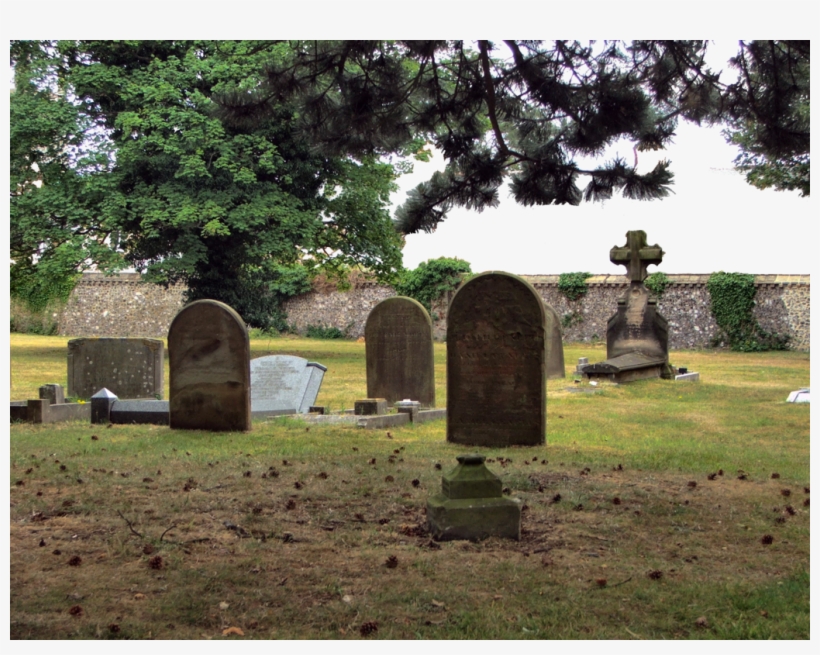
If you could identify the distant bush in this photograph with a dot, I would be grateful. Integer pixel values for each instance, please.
(573, 285)
(323, 332)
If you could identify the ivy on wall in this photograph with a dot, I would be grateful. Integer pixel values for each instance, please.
(573, 285)
(657, 282)
(432, 279)
(733, 301)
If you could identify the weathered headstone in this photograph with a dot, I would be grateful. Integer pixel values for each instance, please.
(496, 363)
(284, 384)
(399, 352)
(636, 335)
(209, 353)
(637, 326)
(554, 344)
(471, 505)
(129, 367)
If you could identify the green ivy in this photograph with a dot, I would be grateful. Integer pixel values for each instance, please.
(432, 279)
(573, 285)
(571, 318)
(657, 283)
(733, 301)
(323, 332)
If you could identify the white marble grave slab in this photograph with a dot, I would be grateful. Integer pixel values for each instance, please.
(282, 384)
(799, 396)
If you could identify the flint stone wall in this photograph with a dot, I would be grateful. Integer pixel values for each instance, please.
(122, 306)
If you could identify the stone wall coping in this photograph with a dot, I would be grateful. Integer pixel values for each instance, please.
(674, 278)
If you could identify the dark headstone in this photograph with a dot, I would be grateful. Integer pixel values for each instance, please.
(284, 384)
(399, 351)
(129, 367)
(496, 363)
(471, 505)
(209, 354)
(554, 344)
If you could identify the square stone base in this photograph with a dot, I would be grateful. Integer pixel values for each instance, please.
(473, 518)
(370, 407)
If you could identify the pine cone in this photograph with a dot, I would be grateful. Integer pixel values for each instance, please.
(368, 628)
(391, 562)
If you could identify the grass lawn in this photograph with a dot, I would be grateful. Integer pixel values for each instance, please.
(646, 516)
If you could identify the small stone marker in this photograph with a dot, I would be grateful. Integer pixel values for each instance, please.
(496, 363)
(554, 344)
(471, 505)
(53, 393)
(129, 367)
(370, 407)
(799, 396)
(284, 384)
(399, 352)
(209, 353)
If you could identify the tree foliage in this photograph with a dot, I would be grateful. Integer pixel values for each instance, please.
(535, 113)
(769, 114)
(227, 210)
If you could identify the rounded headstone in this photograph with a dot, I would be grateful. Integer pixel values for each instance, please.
(496, 363)
(209, 357)
(399, 352)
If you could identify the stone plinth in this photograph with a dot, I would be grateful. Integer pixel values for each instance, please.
(370, 406)
(471, 505)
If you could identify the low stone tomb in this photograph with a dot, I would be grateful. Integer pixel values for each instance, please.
(50, 407)
(471, 504)
(130, 368)
(626, 368)
(209, 353)
(399, 352)
(496, 363)
(284, 384)
(107, 408)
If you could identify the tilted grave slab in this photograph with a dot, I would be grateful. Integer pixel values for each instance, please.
(284, 384)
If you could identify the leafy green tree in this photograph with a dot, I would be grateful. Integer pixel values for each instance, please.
(232, 211)
(58, 184)
(769, 114)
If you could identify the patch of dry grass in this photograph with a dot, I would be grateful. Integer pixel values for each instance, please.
(287, 531)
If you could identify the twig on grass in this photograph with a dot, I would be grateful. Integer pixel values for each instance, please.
(130, 526)
(173, 525)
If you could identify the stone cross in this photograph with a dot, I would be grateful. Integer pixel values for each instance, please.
(636, 255)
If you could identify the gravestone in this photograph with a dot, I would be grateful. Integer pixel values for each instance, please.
(284, 384)
(636, 335)
(637, 326)
(554, 345)
(129, 367)
(399, 352)
(209, 353)
(496, 363)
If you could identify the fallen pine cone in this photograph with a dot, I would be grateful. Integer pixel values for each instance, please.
(767, 539)
(155, 562)
(786, 492)
(391, 562)
(368, 628)
(601, 582)
(75, 561)
(701, 622)
(655, 575)
(76, 610)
